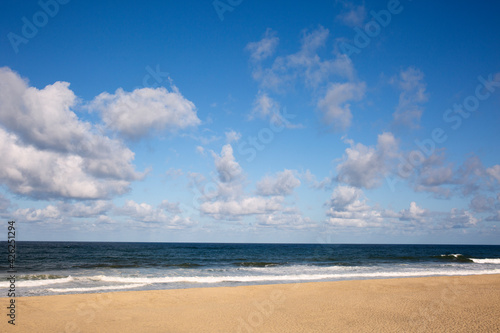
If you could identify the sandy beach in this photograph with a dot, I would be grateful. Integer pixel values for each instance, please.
(437, 304)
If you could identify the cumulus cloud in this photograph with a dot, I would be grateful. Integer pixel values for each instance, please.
(93, 208)
(48, 152)
(348, 208)
(283, 183)
(75, 215)
(305, 65)
(49, 213)
(166, 215)
(364, 166)
(444, 180)
(134, 114)
(414, 213)
(413, 95)
(481, 204)
(233, 209)
(460, 218)
(228, 200)
(227, 168)
(286, 219)
(335, 106)
(41, 117)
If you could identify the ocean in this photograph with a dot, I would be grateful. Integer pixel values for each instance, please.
(54, 268)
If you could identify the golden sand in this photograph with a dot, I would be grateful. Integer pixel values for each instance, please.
(431, 304)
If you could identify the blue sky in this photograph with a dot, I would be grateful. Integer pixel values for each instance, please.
(250, 121)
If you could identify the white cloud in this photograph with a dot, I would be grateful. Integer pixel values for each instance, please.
(335, 105)
(308, 68)
(89, 209)
(490, 205)
(40, 173)
(5, 204)
(305, 65)
(232, 136)
(47, 214)
(446, 180)
(286, 219)
(364, 166)
(228, 200)
(264, 107)
(233, 209)
(414, 213)
(480, 204)
(48, 152)
(460, 218)
(265, 47)
(437, 176)
(348, 208)
(355, 17)
(347, 198)
(283, 183)
(200, 150)
(171, 207)
(174, 173)
(43, 117)
(314, 183)
(165, 215)
(494, 172)
(413, 95)
(134, 114)
(495, 217)
(227, 168)
(267, 108)
(229, 184)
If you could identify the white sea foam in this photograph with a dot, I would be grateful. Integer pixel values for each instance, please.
(80, 290)
(487, 261)
(456, 255)
(294, 277)
(37, 283)
(283, 274)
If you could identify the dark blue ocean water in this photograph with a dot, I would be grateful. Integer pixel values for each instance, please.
(45, 268)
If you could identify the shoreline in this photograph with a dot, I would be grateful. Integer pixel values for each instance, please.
(441, 303)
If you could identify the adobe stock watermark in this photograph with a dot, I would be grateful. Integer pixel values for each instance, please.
(223, 6)
(436, 309)
(29, 29)
(266, 308)
(263, 310)
(372, 29)
(87, 311)
(253, 144)
(156, 75)
(453, 117)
